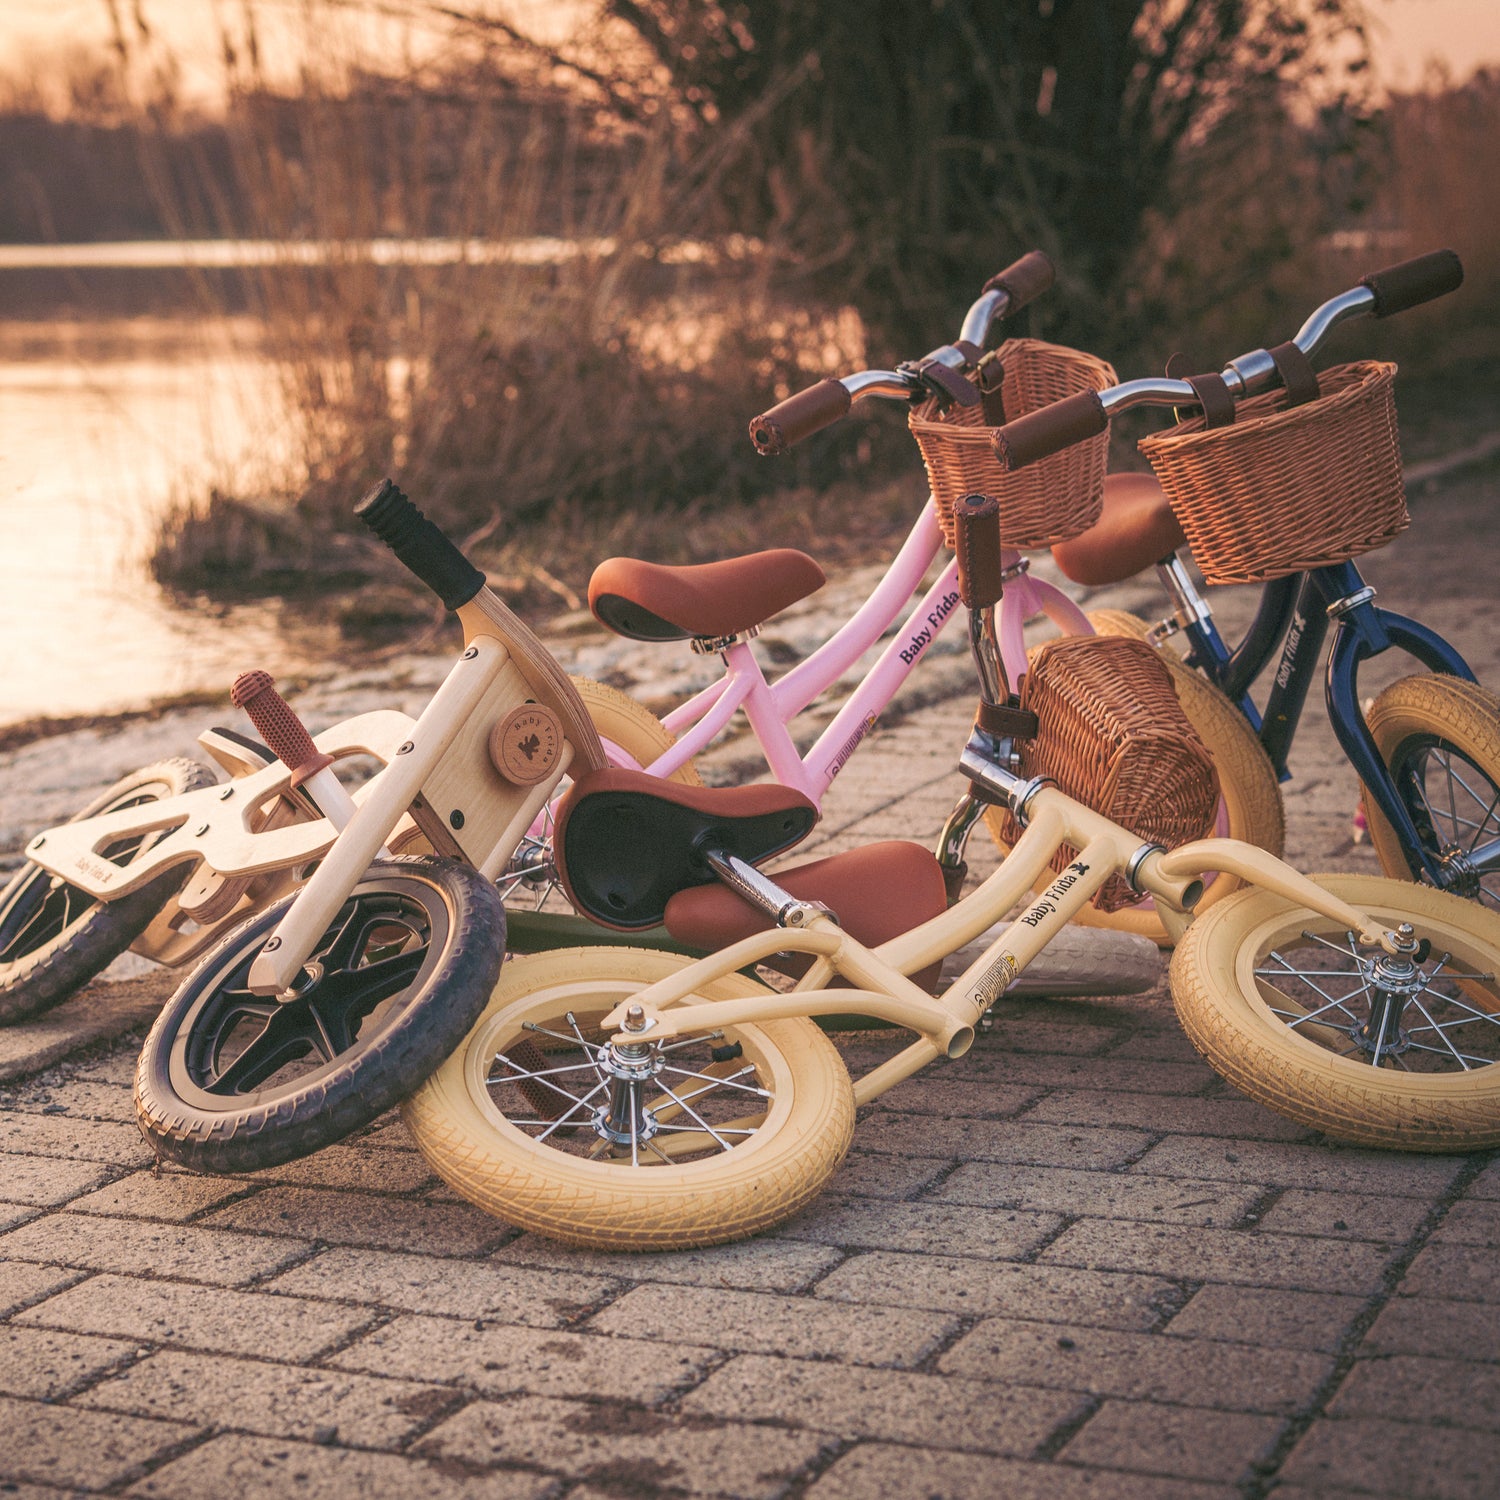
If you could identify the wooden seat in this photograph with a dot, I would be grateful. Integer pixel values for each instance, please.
(650, 602)
(1136, 528)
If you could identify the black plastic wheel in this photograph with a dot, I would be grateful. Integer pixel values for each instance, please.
(55, 937)
(232, 1081)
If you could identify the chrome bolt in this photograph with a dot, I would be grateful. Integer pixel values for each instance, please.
(635, 1019)
(225, 793)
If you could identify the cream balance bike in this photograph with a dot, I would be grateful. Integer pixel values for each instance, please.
(630, 1099)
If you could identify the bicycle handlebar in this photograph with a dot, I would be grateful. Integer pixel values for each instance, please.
(419, 544)
(1041, 433)
(827, 402)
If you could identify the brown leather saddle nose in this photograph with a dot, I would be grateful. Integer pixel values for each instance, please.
(877, 892)
(1135, 529)
(627, 842)
(650, 602)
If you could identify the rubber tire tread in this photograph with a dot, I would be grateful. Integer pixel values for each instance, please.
(1462, 713)
(1246, 781)
(378, 1078)
(50, 974)
(724, 1198)
(619, 719)
(1296, 1077)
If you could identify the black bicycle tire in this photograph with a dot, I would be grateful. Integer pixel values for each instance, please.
(57, 969)
(373, 1079)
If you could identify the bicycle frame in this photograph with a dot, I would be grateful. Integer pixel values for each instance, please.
(945, 1025)
(771, 707)
(1294, 613)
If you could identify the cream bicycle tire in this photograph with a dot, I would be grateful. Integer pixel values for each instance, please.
(1252, 797)
(1226, 1013)
(613, 1205)
(621, 721)
(1456, 716)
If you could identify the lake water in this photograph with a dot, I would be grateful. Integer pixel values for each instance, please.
(102, 427)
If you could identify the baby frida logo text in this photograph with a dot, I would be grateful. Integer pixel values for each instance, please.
(922, 639)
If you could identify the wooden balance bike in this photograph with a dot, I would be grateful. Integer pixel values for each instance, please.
(340, 967)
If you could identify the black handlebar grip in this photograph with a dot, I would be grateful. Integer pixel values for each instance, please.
(1415, 281)
(976, 547)
(419, 544)
(1050, 429)
(1025, 280)
(799, 416)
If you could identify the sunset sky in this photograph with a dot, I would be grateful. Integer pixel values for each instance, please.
(1408, 34)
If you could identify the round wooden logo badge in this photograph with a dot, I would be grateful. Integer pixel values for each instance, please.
(526, 743)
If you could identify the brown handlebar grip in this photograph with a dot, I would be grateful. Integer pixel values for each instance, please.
(278, 725)
(1025, 280)
(976, 547)
(1050, 429)
(799, 416)
(1412, 282)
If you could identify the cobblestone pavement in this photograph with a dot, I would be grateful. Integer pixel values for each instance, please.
(1072, 1263)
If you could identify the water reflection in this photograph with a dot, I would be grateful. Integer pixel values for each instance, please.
(102, 427)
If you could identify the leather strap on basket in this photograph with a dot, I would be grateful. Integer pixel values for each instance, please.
(1007, 720)
(990, 378)
(1213, 396)
(1297, 374)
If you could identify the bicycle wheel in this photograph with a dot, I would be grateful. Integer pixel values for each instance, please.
(538, 1120)
(55, 937)
(632, 736)
(231, 1081)
(1282, 1004)
(1440, 739)
(1250, 809)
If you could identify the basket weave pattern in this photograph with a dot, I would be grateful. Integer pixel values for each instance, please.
(1114, 736)
(1048, 502)
(1285, 489)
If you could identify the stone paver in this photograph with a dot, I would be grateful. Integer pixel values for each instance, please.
(345, 1218)
(47, 1182)
(1143, 1367)
(497, 1360)
(198, 1317)
(1071, 1265)
(887, 1404)
(848, 1332)
(66, 1445)
(465, 1289)
(1114, 1195)
(1413, 1460)
(138, 1248)
(257, 1468)
(46, 1364)
(881, 1469)
(1175, 1441)
(638, 1448)
(277, 1400)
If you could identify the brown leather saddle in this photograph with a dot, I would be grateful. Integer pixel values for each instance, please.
(650, 602)
(1135, 529)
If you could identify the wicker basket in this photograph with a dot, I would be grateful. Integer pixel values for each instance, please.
(1048, 502)
(1285, 489)
(1114, 736)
